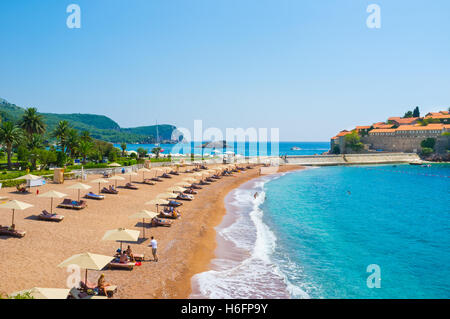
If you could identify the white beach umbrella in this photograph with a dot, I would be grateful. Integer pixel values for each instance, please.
(165, 195)
(15, 204)
(131, 174)
(87, 261)
(52, 194)
(144, 170)
(176, 189)
(157, 202)
(121, 234)
(28, 177)
(79, 186)
(114, 165)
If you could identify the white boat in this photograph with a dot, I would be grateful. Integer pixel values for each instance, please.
(295, 148)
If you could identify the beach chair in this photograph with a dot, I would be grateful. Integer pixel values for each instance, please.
(196, 186)
(8, 231)
(160, 222)
(166, 176)
(185, 197)
(45, 215)
(204, 183)
(148, 182)
(78, 294)
(173, 203)
(110, 191)
(130, 186)
(91, 195)
(72, 204)
(174, 173)
(156, 179)
(110, 290)
(118, 265)
(190, 191)
(22, 189)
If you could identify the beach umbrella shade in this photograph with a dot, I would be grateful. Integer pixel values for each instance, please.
(165, 195)
(114, 165)
(176, 189)
(52, 194)
(144, 170)
(131, 174)
(190, 180)
(121, 234)
(157, 170)
(15, 204)
(44, 293)
(87, 261)
(183, 184)
(79, 186)
(157, 202)
(115, 179)
(28, 177)
(143, 214)
(100, 181)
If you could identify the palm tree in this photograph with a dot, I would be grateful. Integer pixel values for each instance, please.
(85, 136)
(123, 146)
(142, 152)
(32, 122)
(34, 143)
(60, 133)
(84, 148)
(72, 141)
(10, 135)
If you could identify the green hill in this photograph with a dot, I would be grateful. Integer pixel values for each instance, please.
(99, 126)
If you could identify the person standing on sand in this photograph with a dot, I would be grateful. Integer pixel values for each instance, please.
(154, 245)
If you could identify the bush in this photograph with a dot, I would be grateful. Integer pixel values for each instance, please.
(428, 143)
(427, 151)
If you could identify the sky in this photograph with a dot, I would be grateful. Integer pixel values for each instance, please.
(308, 67)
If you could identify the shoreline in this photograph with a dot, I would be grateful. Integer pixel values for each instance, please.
(202, 259)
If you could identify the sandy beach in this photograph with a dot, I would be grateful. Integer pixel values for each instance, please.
(184, 249)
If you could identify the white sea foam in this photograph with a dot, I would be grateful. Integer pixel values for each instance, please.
(251, 273)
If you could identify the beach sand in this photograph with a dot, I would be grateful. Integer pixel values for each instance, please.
(184, 249)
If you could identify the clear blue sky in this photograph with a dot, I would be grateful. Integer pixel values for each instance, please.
(309, 67)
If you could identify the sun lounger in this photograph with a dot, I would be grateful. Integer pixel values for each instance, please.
(185, 197)
(78, 294)
(110, 290)
(174, 203)
(110, 191)
(72, 204)
(118, 265)
(156, 179)
(45, 215)
(130, 186)
(166, 176)
(204, 183)
(174, 173)
(91, 195)
(195, 186)
(190, 191)
(160, 222)
(7, 231)
(148, 181)
(22, 189)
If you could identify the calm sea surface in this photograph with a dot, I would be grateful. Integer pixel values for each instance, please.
(313, 233)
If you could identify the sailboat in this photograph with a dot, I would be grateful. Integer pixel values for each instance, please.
(157, 135)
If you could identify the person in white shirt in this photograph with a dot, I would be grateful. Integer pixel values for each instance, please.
(154, 245)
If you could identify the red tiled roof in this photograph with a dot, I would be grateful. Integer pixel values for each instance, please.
(428, 127)
(401, 120)
(386, 130)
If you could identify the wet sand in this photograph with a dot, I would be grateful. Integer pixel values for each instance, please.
(184, 249)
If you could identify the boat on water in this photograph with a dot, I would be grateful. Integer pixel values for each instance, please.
(295, 148)
(416, 163)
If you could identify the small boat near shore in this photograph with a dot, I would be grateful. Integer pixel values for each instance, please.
(295, 148)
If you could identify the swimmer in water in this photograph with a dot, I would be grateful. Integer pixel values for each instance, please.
(256, 195)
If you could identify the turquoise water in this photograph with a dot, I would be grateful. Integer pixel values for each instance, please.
(283, 148)
(330, 223)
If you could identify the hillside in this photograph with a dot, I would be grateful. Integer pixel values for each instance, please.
(100, 126)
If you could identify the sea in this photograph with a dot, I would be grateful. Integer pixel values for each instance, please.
(241, 148)
(335, 232)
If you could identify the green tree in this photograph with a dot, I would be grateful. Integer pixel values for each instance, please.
(408, 114)
(46, 157)
(85, 136)
(336, 149)
(353, 141)
(84, 148)
(72, 141)
(10, 135)
(156, 151)
(32, 122)
(123, 146)
(416, 112)
(428, 143)
(142, 152)
(60, 133)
